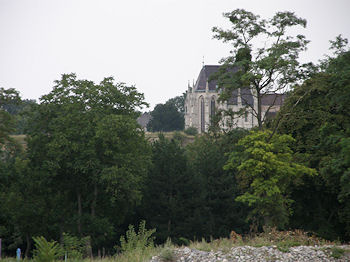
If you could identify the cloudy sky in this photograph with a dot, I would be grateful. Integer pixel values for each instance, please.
(157, 45)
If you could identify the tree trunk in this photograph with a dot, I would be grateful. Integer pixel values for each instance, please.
(29, 244)
(94, 201)
(169, 226)
(259, 116)
(61, 233)
(79, 212)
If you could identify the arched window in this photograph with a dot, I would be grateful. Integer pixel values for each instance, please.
(212, 107)
(202, 115)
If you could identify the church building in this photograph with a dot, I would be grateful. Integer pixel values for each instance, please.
(202, 102)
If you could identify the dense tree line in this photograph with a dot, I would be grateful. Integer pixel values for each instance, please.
(88, 169)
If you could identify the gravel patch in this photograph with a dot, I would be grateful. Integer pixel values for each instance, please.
(259, 254)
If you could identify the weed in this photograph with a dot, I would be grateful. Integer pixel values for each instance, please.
(46, 251)
(337, 252)
(283, 249)
(284, 239)
(167, 255)
(75, 247)
(137, 246)
(141, 240)
(183, 241)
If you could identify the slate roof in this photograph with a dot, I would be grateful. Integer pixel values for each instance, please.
(276, 99)
(204, 75)
(144, 119)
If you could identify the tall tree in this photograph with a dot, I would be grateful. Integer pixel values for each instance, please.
(86, 143)
(265, 172)
(268, 68)
(215, 213)
(320, 123)
(169, 191)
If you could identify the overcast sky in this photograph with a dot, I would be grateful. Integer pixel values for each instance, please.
(156, 45)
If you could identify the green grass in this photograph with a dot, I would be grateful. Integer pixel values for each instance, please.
(337, 252)
(186, 139)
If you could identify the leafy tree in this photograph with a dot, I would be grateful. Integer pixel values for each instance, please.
(178, 102)
(87, 146)
(9, 151)
(320, 124)
(265, 171)
(7, 123)
(168, 116)
(267, 69)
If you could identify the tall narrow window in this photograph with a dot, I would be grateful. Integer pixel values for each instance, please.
(245, 116)
(212, 107)
(202, 116)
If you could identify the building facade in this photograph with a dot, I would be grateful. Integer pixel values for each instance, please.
(202, 102)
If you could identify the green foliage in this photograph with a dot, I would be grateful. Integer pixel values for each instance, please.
(167, 255)
(75, 247)
(46, 251)
(92, 157)
(191, 131)
(8, 96)
(316, 114)
(168, 190)
(169, 116)
(178, 102)
(7, 121)
(140, 240)
(265, 171)
(215, 214)
(269, 68)
(337, 252)
(178, 136)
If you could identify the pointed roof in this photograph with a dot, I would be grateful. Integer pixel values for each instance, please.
(204, 75)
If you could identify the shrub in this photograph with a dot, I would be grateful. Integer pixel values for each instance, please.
(191, 131)
(337, 252)
(46, 251)
(141, 240)
(167, 255)
(178, 136)
(75, 247)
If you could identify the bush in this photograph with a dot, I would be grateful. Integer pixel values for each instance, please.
(137, 247)
(191, 131)
(75, 247)
(46, 251)
(137, 241)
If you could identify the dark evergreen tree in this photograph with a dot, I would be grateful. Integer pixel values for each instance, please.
(216, 213)
(169, 191)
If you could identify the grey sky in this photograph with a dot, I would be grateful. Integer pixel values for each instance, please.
(157, 45)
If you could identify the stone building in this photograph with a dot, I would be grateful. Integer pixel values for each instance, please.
(143, 120)
(202, 102)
